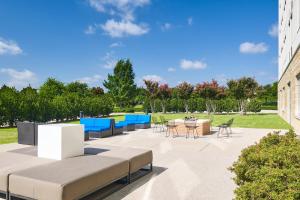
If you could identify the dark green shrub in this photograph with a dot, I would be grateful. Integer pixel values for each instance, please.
(269, 169)
(254, 106)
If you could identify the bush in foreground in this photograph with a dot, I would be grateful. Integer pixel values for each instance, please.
(269, 169)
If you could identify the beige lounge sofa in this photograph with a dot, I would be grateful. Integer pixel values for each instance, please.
(68, 179)
(138, 158)
(13, 162)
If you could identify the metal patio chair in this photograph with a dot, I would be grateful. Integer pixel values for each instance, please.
(191, 126)
(225, 126)
(171, 126)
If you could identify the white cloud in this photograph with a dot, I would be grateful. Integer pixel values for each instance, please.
(190, 21)
(190, 64)
(273, 31)
(19, 79)
(171, 69)
(109, 60)
(116, 44)
(165, 26)
(124, 8)
(253, 48)
(91, 80)
(123, 28)
(90, 30)
(9, 47)
(154, 77)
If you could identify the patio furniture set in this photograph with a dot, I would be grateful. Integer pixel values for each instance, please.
(62, 167)
(93, 128)
(189, 126)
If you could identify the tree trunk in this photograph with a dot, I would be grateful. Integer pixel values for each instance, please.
(163, 106)
(186, 106)
(152, 106)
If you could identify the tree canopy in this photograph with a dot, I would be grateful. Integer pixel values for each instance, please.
(121, 84)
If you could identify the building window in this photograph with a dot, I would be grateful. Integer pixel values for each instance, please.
(297, 92)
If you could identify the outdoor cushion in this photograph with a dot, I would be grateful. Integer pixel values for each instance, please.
(138, 158)
(68, 179)
(12, 162)
(137, 119)
(95, 124)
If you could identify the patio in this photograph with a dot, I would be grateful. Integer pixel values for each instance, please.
(183, 168)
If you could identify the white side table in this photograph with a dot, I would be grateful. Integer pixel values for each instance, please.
(60, 141)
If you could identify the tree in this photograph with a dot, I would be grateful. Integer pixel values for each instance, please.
(185, 91)
(164, 94)
(242, 90)
(121, 84)
(28, 104)
(151, 92)
(210, 91)
(79, 88)
(51, 88)
(9, 98)
(97, 91)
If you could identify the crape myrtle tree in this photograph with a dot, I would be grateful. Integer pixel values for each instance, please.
(184, 91)
(210, 91)
(242, 90)
(164, 94)
(151, 93)
(120, 84)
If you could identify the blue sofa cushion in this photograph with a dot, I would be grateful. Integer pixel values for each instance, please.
(95, 124)
(137, 119)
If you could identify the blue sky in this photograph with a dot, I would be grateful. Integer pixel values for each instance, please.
(166, 40)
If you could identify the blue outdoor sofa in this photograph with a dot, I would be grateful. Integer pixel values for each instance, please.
(97, 127)
(118, 127)
(137, 121)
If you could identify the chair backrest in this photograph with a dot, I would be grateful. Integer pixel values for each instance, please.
(131, 117)
(87, 121)
(154, 119)
(230, 122)
(100, 122)
(144, 118)
(162, 119)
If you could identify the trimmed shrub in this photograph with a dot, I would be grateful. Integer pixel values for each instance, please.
(269, 169)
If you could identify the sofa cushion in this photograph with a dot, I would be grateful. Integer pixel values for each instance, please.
(12, 162)
(138, 158)
(68, 179)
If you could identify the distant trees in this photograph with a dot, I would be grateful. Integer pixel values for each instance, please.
(242, 90)
(151, 92)
(120, 84)
(164, 94)
(210, 91)
(9, 99)
(53, 101)
(185, 91)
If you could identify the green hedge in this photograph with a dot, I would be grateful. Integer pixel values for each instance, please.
(269, 169)
(264, 107)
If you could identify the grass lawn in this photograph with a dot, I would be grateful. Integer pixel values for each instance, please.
(8, 135)
(272, 121)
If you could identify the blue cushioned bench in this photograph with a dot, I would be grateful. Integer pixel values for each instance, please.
(97, 127)
(139, 121)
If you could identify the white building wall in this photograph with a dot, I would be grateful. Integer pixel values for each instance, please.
(289, 32)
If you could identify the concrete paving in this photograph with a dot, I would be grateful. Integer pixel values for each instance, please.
(183, 168)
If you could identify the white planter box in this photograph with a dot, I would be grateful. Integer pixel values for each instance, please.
(60, 141)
